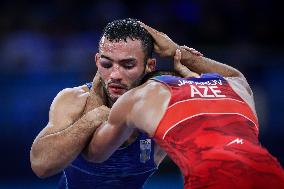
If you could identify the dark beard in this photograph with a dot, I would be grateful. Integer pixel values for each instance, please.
(111, 100)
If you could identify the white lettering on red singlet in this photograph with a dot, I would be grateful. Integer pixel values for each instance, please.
(210, 82)
(207, 89)
(202, 91)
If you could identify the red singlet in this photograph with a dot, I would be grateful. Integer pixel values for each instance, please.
(211, 133)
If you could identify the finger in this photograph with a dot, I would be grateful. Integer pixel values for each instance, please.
(192, 50)
(93, 101)
(84, 95)
(181, 69)
(96, 81)
(185, 72)
(177, 64)
(195, 52)
(177, 57)
(151, 30)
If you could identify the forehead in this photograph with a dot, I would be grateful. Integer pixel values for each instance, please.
(121, 48)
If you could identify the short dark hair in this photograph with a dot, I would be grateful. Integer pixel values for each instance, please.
(129, 28)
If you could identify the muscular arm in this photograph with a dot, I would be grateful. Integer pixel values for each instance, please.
(66, 134)
(200, 64)
(190, 58)
(140, 108)
(113, 133)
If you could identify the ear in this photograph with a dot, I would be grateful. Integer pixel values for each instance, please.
(97, 57)
(150, 65)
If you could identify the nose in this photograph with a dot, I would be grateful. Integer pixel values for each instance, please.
(116, 73)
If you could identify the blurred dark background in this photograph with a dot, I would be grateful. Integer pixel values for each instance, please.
(46, 46)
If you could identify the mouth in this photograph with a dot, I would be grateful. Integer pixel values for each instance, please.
(117, 89)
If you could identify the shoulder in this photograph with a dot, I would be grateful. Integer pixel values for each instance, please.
(147, 97)
(139, 97)
(146, 92)
(237, 82)
(242, 88)
(240, 83)
(129, 101)
(74, 92)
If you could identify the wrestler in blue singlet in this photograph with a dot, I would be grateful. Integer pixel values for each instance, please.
(128, 168)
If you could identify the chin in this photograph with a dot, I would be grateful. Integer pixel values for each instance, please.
(114, 97)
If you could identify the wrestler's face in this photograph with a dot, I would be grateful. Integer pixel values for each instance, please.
(121, 66)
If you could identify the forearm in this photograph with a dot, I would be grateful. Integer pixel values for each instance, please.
(200, 64)
(165, 47)
(51, 151)
(111, 134)
(105, 141)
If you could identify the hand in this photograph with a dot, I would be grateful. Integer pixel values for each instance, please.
(68, 106)
(94, 100)
(98, 115)
(163, 45)
(192, 50)
(181, 69)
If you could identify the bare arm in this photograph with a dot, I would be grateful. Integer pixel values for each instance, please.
(191, 58)
(200, 64)
(54, 149)
(113, 133)
(67, 131)
(181, 69)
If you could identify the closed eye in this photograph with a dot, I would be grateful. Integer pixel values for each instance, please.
(106, 64)
(128, 64)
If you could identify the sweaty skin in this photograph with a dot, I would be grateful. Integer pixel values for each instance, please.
(208, 151)
(73, 113)
(140, 99)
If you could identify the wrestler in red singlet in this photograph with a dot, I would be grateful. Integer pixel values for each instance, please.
(210, 130)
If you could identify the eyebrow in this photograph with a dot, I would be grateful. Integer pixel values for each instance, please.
(106, 57)
(122, 60)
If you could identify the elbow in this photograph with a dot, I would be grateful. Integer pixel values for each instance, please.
(39, 166)
(40, 170)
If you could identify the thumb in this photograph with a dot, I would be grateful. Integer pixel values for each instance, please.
(151, 30)
(177, 58)
(96, 82)
(181, 69)
(84, 95)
